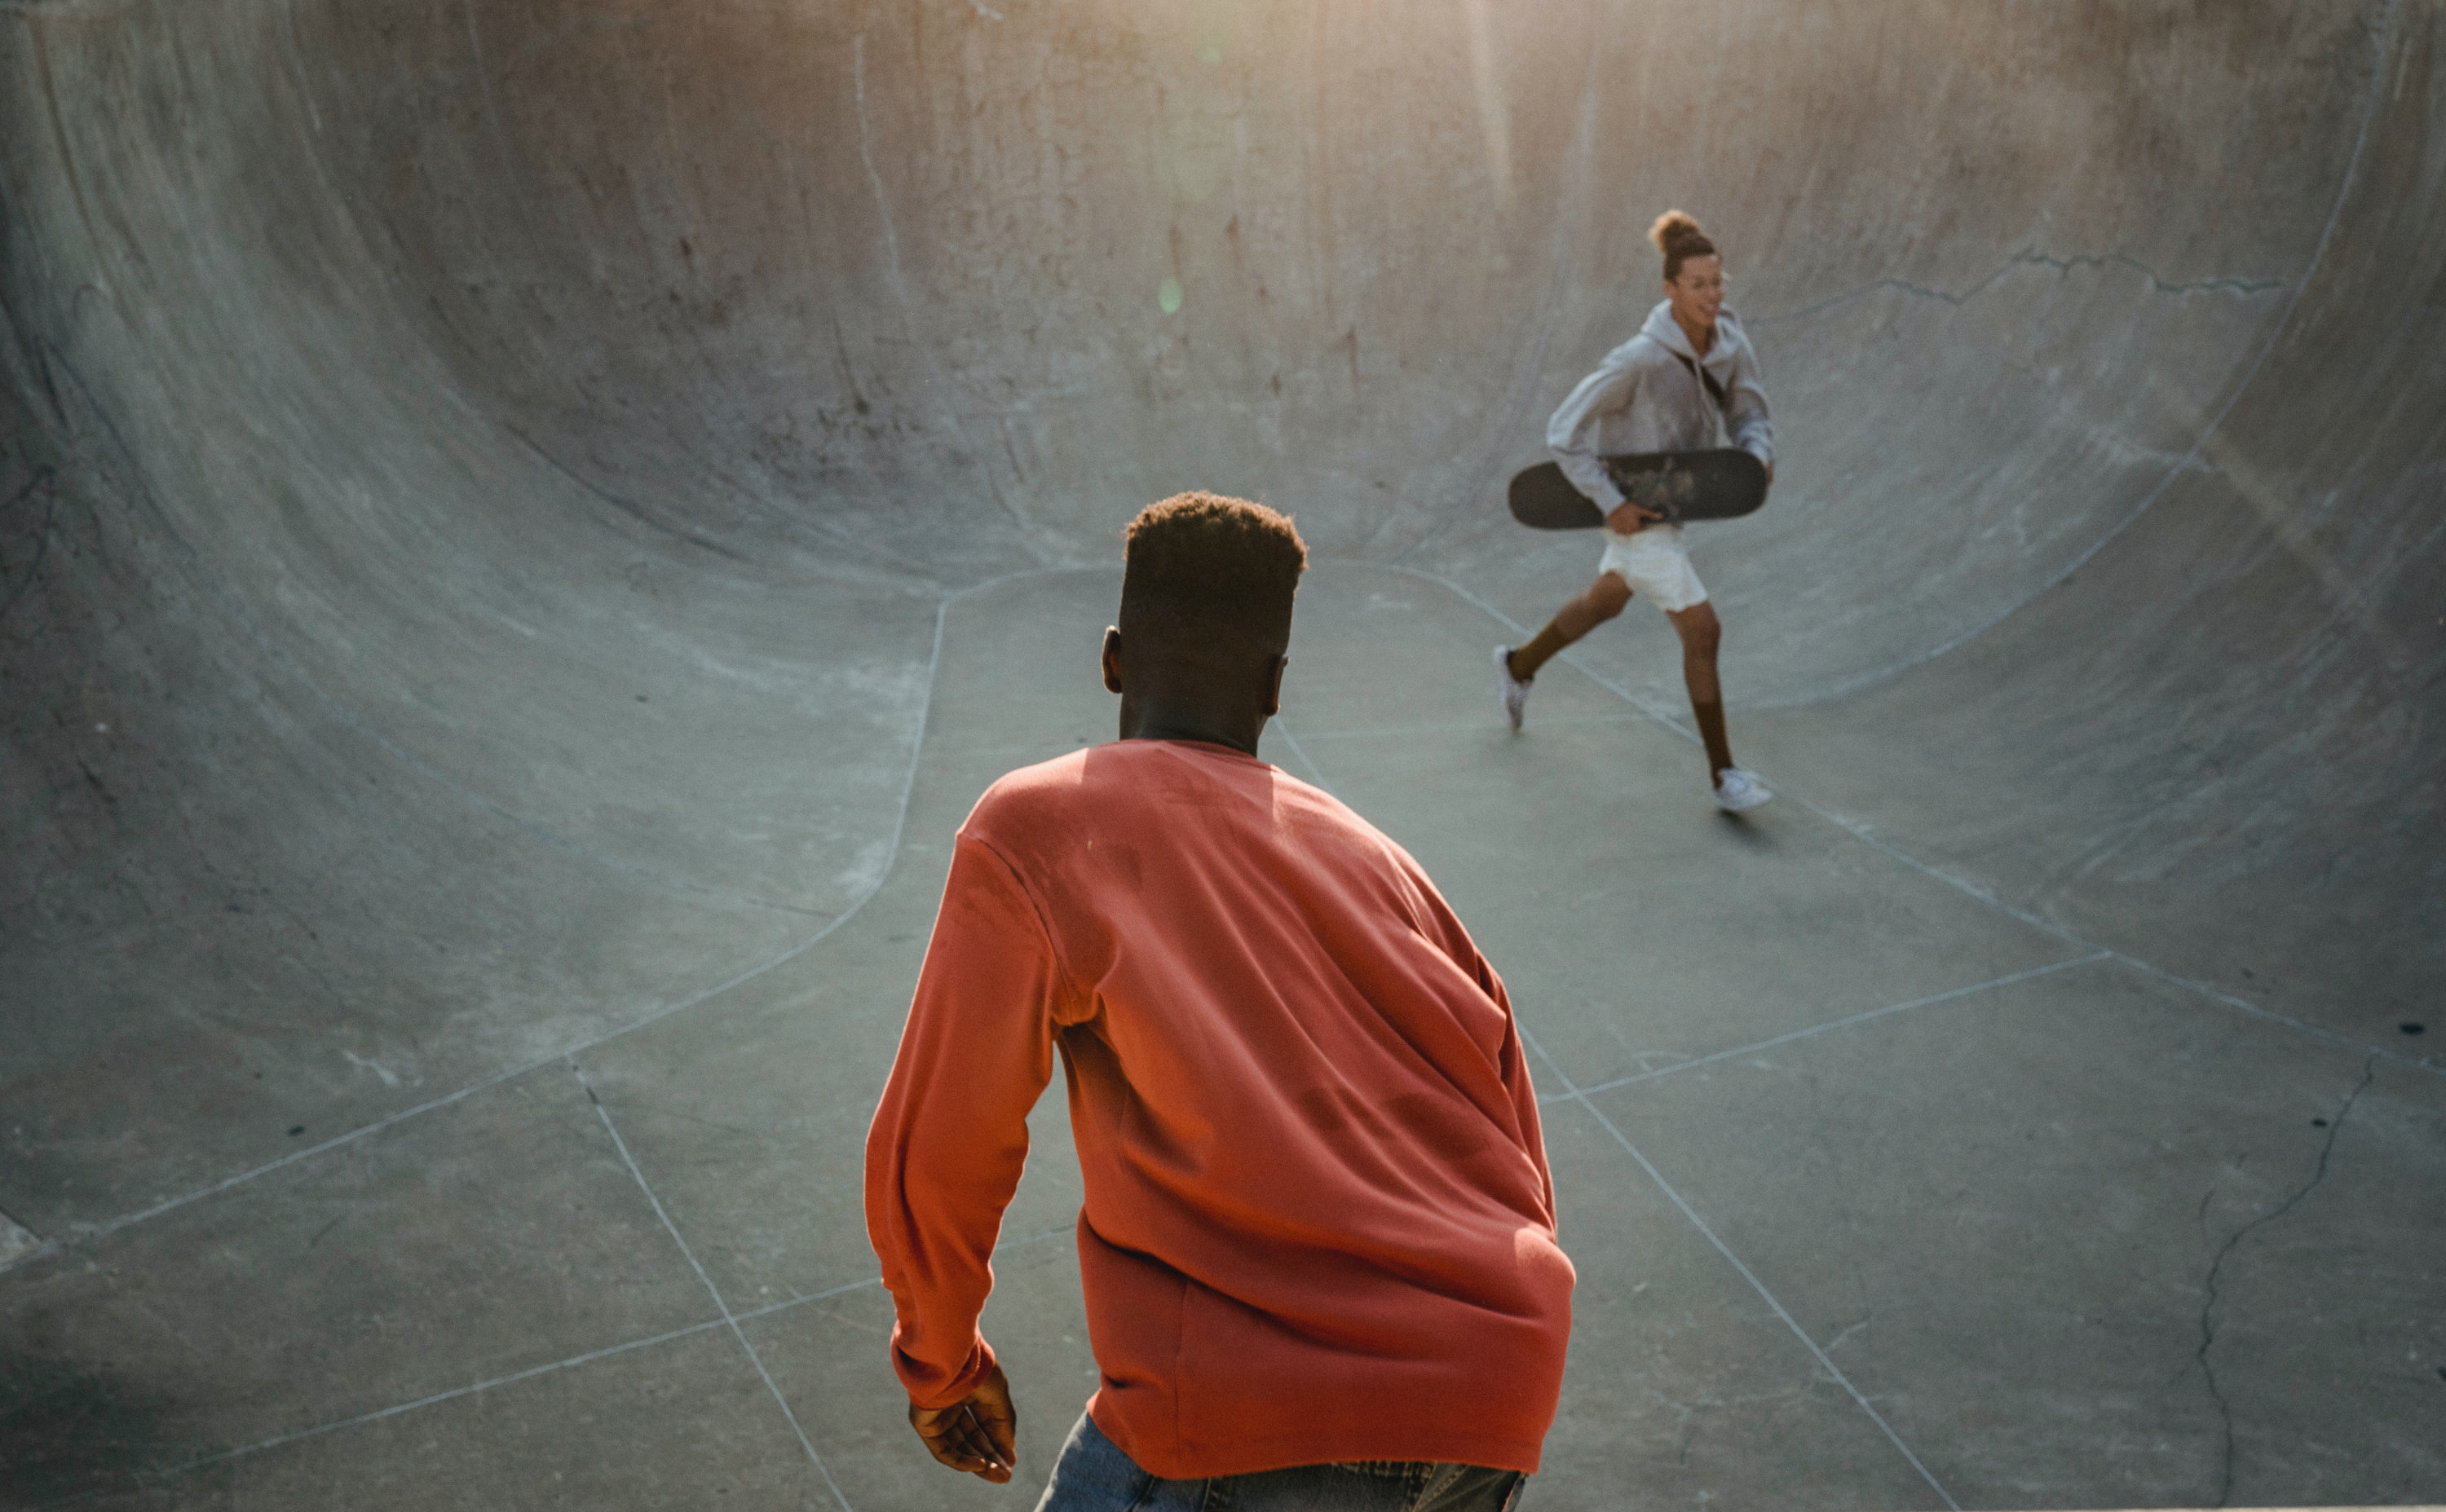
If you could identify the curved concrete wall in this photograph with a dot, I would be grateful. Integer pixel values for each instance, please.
(482, 478)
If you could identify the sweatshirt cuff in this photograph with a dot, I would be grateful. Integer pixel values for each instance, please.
(934, 1395)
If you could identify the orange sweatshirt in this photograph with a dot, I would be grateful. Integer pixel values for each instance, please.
(1318, 1222)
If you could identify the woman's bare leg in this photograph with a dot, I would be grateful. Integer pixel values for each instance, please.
(1602, 602)
(1701, 632)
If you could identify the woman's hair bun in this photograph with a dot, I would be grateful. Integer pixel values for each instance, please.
(1677, 237)
(1672, 227)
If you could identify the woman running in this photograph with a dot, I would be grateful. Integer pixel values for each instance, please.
(1664, 391)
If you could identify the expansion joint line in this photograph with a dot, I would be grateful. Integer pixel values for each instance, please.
(1571, 1093)
(1867, 836)
(1316, 773)
(892, 859)
(171, 1472)
(688, 1253)
(1846, 1023)
(2216, 1275)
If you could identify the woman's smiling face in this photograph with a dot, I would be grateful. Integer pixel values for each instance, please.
(1697, 291)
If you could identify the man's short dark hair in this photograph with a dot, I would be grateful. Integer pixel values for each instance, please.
(1204, 565)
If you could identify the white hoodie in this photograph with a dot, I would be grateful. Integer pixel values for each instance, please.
(1642, 398)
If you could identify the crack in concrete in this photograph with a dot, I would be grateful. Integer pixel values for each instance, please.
(1836, 1343)
(2382, 42)
(2158, 283)
(2216, 1269)
(46, 482)
(18, 1242)
(2031, 257)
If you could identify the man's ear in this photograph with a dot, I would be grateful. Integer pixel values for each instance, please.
(1274, 685)
(1112, 658)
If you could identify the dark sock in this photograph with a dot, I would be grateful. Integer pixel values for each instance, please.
(1526, 660)
(1711, 730)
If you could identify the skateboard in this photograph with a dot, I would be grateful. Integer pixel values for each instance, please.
(1721, 483)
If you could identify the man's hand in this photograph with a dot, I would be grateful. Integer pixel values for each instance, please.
(1629, 519)
(978, 1436)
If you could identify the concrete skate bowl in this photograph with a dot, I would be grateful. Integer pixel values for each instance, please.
(483, 481)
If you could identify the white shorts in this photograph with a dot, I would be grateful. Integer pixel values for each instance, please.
(1654, 562)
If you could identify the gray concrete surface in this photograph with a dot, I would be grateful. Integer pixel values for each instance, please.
(524, 526)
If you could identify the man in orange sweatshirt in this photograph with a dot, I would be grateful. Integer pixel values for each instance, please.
(1318, 1242)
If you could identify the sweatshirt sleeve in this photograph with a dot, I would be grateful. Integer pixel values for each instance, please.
(1745, 416)
(1571, 435)
(945, 1152)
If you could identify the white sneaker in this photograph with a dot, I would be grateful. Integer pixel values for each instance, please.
(1515, 693)
(1739, 791)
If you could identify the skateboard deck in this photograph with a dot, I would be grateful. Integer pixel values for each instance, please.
(1721, 483)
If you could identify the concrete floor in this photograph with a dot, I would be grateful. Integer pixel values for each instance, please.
(523, 529)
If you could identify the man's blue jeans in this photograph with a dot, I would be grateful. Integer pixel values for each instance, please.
(1093, 1475)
